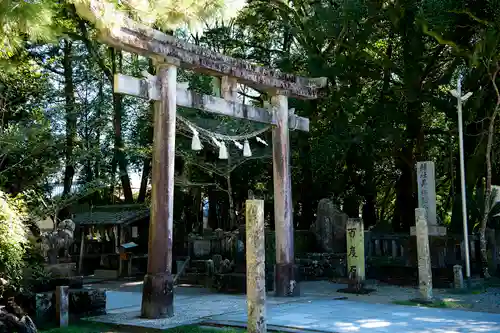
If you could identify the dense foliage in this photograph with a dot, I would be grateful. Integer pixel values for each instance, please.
(13, 238)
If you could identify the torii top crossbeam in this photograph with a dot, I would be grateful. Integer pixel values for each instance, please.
(137, 38)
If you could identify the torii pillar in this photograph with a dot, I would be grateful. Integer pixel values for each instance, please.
(285, 271)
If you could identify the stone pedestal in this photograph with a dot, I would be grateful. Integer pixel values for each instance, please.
(355, 248)
(423, 256)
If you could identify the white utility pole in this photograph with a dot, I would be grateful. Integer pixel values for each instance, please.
(460, 99)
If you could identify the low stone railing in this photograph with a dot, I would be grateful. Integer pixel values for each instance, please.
(400, 250)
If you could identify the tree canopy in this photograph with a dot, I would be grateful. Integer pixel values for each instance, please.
(390, 66)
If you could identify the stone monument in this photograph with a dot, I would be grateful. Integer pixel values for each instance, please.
(330, 227)
(426, 183)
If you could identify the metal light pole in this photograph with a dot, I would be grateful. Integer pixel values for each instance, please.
(460, 99)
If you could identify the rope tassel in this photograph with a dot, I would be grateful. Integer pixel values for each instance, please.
(237, 144)
(195, 143)
(261, 141)
(223, 151)
(247, 152)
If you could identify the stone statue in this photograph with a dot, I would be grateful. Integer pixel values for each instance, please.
(61, 238)
(329, 227)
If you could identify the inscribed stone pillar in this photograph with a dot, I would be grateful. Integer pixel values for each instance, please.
(426, 181)
(426, 186)
(158, 291)
(62, 305)
(356, 248)
(423, 253)
(285, 271)
(256, 268)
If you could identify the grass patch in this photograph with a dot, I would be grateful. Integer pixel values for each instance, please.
(89, 327)
(84, 327)
(436, 304)
(465, 291)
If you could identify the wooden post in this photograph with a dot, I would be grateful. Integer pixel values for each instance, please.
(62, 305)
(424, 255)
(285, 270)
(158, 292)
(356, 248)
(256, 274)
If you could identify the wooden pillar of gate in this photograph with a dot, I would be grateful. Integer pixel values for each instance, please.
(158, 292)
(285, 271)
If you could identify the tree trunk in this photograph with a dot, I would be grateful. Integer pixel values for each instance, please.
(116, 59)
(146, 170)
(487, 192)
(69, 93)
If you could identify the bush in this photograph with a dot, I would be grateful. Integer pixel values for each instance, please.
(13, 238)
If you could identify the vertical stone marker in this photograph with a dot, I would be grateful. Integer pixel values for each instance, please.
(62, 305)
(256, 274)
(355, 234)
(424, 256)
(426, 186)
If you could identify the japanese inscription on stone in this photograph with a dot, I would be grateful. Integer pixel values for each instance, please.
(355, 248)
(426, 181)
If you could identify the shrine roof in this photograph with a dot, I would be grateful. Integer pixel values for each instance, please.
(112, 215)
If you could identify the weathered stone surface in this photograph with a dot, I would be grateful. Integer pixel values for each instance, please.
(256, 273)
(355, 236)
(458, 278)
(329, 227)
(426, 182)
(423, 253)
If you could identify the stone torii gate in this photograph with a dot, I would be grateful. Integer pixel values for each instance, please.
(170, 53)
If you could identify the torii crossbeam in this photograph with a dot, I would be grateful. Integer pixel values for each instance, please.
(169, 54)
